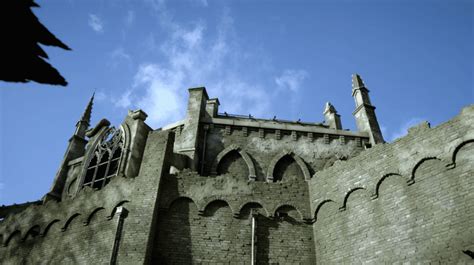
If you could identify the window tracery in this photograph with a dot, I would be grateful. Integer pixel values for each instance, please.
(105, 162)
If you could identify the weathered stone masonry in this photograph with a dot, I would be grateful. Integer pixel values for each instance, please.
(186, 193)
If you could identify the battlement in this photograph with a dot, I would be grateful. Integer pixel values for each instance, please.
(282, 125)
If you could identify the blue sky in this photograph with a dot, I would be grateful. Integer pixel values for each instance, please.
(266, 58)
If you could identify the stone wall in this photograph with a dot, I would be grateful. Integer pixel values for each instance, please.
(206, 219)
(317, 152)
(409, 201)
(82, 229)
(216, 236)
(317, 198)
(76, 244)
(72, 231)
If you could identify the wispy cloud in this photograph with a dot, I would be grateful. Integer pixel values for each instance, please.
(192, 59)
(96, 23)
(119, 55)
(203, 2)
(129, 18)
(403, 129)
(291, 79)
(100, 96)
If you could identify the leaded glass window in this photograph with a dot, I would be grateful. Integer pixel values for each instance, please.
(105, 162)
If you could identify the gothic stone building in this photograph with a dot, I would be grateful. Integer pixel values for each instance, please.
(227, 189)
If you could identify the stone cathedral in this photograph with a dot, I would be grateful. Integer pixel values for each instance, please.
(217, 188)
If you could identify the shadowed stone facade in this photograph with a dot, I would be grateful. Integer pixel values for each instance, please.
(228, 189)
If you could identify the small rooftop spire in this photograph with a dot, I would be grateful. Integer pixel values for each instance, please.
(331, 118)
(357, 81)
(329, 108)
(86, 116)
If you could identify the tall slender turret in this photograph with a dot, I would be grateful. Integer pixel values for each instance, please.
(332, 118)
(75, 149)
(365, 113)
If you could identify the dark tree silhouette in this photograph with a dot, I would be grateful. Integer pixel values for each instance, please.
(21, 57)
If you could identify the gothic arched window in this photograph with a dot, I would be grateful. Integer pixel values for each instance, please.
(105, 161)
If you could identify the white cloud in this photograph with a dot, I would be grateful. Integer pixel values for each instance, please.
(95, 22)
(192, 59)
(125, 100)
(163, 95)
(403, 130)
(291, 79)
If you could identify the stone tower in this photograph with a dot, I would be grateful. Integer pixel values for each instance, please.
(365, 112)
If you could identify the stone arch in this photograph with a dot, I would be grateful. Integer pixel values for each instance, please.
(283, 205)
(91, 215)
(90, 150)
(115, 208)
(318, 208)
(125, 149)
(243, 154)
(379, 183)
(33, 231)
(12, 235)
(298, 160)
(346, 198)
(417, 165)
(48, 227)
(243, 205)
(69, 221)
(168, 205)
(455, 153)
(213, 200)
(103, 131)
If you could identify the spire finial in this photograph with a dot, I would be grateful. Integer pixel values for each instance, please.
(357, 81)
(329, 108)
(86, 116)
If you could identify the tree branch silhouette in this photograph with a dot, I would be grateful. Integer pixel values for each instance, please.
(22, 58)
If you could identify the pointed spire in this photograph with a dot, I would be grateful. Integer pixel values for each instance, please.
(86, 116)
(329, 108)
(365, 112)
(83, 124)
(357, 82)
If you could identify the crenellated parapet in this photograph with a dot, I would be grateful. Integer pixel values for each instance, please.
(402, 157)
